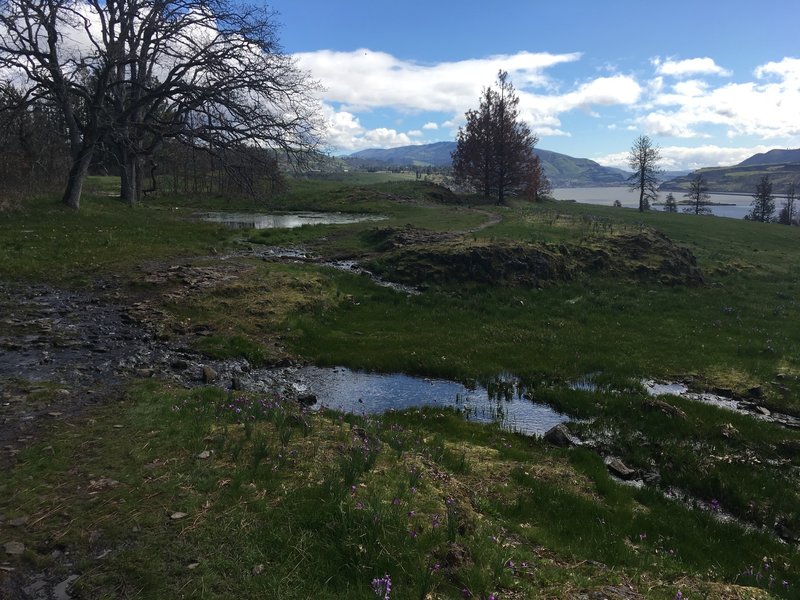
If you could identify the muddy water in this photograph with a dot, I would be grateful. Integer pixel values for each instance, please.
(286, 221)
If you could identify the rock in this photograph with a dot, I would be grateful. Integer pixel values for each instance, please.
(18, 522)
(763, 411)
(651, 477)
(258, 570)
(236, 384)
(620, 469)
(179, 365)
(209, 375)
(666, 408)
(204, 455)
(14, 548)
(756, 392)
(561, 436)
(307, 399)
(178, 515)
(145, 373)
(60, 592)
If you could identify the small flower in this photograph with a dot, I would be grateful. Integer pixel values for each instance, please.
(785, 584)
(715, 507)
(465, 593)
(413, 534)
(642, 537)
(411, 513)
(396, 501)
(359, 506)
(382, 586)
(679, 595)
(492, 596)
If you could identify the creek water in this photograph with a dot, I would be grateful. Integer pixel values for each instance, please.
(736, 206)
(283, 221)
(500, 401)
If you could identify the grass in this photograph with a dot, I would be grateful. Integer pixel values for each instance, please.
(292, 504)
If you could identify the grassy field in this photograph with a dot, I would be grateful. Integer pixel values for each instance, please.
(207, 493)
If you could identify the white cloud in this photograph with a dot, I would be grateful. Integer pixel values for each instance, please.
(689, 67)
(345, 133)
(679, 158)
(364, 80)
(766, 108)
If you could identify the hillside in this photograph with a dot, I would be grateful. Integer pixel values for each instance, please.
(773, 157)
(782, 166)
(561, 169)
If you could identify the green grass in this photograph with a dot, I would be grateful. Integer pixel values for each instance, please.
(273, 512)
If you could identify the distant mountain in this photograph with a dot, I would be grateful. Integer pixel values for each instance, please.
(773, 157)
(782, 166)
(562, 170)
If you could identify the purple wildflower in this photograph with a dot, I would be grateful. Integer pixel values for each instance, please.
(382, 586)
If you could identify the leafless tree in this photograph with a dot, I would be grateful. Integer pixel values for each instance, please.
(787, 214)
(494, 151)
(698, 194)
(643, 160)
(133, 73)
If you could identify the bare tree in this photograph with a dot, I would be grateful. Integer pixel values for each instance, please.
(494, 151)
(132, 73)
(763, 205)
(698, 194)
(787, 212)
(643, 160)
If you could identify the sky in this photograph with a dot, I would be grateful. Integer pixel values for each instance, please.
(711, 82)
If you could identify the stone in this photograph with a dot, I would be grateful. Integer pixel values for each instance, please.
(209, 375)
(236, 384)
(178, 515)
(258, 570)
(204, 455)
(763, 411)
(620, 469)
(61, 591)
(179, 365)
(756, 392)
(14, 548)
(561, 436)
(307, 399)
(665, 407)
(18, 522)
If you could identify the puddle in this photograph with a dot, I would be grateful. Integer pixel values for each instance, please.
(284, 221)
(657, 388)
(352, 266)
(371, 393)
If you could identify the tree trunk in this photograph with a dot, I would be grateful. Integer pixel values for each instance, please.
(77, 174)
(131, 178)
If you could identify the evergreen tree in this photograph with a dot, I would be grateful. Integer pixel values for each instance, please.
(670, 205)
(494, 150)
(763, 205)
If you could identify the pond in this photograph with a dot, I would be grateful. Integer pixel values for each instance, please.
(501, 400)
(284, 221)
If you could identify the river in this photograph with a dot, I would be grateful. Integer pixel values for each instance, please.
(606, 196)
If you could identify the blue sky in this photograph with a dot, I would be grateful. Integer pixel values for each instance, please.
(710, 82)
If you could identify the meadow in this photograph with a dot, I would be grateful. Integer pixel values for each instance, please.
(167, 491)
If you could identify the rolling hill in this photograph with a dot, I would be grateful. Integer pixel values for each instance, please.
(562, 170)
(782, 167)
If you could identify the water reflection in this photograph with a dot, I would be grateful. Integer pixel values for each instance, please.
(286, 221)
(503, 399)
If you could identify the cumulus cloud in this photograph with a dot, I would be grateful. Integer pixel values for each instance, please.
(364, 80)
(680, 158)
(345, 133)
(765, 108)
(689, 67)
